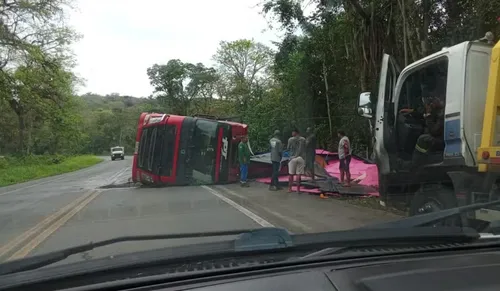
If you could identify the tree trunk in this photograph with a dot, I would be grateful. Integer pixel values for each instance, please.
(327, 98)
(402, 6)
(22, 128)
(426, 20)
(18, 109)
(30, 139)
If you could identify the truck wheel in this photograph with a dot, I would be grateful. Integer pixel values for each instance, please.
(123, 158)
(431, 201)
(112, 159)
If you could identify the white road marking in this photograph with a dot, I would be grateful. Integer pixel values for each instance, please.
(261, 221)
(290, 220)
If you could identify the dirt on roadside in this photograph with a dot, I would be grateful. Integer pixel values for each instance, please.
(373, 203)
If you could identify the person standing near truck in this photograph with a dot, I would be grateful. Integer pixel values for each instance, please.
(276, 155)
(344, 152)
(310, 152)
(244, 160)
(296, 165)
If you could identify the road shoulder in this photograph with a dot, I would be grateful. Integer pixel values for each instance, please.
(302, 213)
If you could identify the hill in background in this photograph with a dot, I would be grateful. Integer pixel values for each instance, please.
(113, 101)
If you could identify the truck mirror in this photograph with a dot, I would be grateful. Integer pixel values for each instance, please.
(365, 112)
(364, 105)
(364, 99)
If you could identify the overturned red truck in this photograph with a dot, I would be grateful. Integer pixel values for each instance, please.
(182, 150)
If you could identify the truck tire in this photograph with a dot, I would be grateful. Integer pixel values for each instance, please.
(431, 201)
(112, 159)
(123, 158)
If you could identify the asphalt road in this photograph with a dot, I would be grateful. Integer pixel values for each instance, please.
(70, 209)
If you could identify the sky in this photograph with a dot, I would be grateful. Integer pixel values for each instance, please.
(121, 39)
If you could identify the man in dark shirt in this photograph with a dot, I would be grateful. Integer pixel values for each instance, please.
(244, 160)
(310, 152)
(296, 165)
(433, 134)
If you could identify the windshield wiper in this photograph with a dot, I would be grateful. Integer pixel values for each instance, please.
(429, 219)
(262, 240)
(248, 240)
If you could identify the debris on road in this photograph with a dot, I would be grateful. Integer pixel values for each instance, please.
(364, 174)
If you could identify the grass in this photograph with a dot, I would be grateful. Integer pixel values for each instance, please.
(15, 170)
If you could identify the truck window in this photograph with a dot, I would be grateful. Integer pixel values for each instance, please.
(205, 141)
(427, 81)
(157, 149)
(152, 148)
(143, 147)
(167, 152)
(233, 154)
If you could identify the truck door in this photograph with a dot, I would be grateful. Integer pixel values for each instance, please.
(204, 153)
(222, 157)
(384, 116)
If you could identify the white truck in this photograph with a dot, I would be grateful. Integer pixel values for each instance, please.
(466, 168)
(117, 153)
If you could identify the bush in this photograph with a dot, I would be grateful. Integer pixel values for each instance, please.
(3, 163)
(32, 160)
(21, 169)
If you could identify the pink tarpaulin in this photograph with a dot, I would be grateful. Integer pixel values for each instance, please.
(307, 190)
(362, 173)
(325, 152)
(281, 179)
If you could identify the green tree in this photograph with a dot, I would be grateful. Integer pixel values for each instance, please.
(243, 65)
(177, 84)
(34, 62)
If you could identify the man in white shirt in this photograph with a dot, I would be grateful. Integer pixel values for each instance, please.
(344, 152)
(276, 156)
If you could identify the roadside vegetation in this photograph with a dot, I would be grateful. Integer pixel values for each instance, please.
(311, 77)
(21, 169)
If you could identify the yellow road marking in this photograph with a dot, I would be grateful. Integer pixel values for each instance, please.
(24, 251)
(47, 221)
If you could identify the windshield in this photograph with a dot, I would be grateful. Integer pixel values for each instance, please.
(256, 117)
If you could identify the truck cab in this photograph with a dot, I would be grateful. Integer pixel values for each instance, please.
(457, 76)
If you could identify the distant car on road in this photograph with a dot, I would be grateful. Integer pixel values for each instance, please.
(117, 153)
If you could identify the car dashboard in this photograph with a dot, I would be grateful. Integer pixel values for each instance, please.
(457, 272)
(460, 268)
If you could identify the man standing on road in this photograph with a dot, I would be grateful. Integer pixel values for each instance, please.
(276, 155)
(296, 165)
(244, 160)
(344, 152)
(310, 152)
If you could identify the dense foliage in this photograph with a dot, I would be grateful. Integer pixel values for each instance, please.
(312, 78)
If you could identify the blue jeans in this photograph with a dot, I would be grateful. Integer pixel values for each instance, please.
(243, 173)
